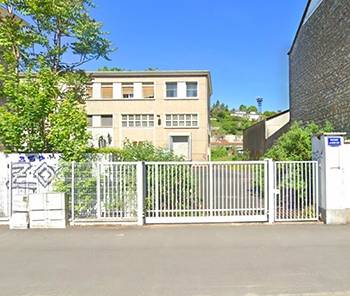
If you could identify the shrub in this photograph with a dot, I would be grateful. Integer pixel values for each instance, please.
(296, 143)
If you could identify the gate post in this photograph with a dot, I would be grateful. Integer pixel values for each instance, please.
(98, 190)
(271, 189)
(72, 190)
(140, 191)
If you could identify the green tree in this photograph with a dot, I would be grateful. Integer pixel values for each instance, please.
(44, 106)
(252, 109)
(111, 69)
(296, 143)
(242, 108)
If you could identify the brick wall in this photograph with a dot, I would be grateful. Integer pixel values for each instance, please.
(319, 66)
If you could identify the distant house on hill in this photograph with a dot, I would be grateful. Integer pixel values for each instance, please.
(319, 65)
(245, 114)
(228, 141)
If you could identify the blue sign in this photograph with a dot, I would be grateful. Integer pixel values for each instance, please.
(334, 141)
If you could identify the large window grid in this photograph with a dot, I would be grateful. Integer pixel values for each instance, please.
(181, 120)
(137, 120)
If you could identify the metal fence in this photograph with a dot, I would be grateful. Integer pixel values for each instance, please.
(99, 191)
(181, 192)
(176, 192)
(296, 183)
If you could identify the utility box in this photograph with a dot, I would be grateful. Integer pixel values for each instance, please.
(47, 210)
(19, 218)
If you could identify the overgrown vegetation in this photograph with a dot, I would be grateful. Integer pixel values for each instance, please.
(227, 154)
(140, 151)
(40, 81)
(86, 174)
(296, 143)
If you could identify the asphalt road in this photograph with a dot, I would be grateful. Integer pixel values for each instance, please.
(199, 260)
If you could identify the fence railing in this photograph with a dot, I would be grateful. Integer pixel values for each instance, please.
(99, 191)
(297, 190)
(193, 191)
(180, 192)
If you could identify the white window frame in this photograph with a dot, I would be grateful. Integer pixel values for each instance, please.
(166, 93)
(181, 84)
(109, 115)
(181, 127)
(141, 114)
(133, 90)
(97, 120)
(197, 90)
(154, 90)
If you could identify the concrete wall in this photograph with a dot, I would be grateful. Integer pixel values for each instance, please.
(319, 65)
(275, 123)
(262, 135)
(254, 140)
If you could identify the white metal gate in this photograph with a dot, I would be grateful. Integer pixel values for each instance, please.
(187, 192)
(296, 184)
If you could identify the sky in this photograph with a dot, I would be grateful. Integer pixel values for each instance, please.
(243, 43)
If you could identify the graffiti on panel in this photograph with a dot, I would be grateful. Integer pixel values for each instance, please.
(30, 171)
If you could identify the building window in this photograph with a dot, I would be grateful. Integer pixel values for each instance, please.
(128, 90)
(181, 120)
(89, 120)
(191, 89)
(106, 90)
(171, 89)
(89, 91)
(148, 90)
(137, 120)
(106, 120)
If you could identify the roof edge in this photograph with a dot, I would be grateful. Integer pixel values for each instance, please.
(157, 73)
(300, 25)
(268, 118)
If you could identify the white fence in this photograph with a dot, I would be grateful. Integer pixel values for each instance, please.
(180, 192)
(183, 192)
(297, 191)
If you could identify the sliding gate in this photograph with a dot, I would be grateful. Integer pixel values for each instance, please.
(187, 192)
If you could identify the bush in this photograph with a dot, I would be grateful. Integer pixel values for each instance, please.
(140, 151)
(296, 143)
(85, 176)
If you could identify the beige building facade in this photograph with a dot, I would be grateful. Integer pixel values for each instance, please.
(170, 109)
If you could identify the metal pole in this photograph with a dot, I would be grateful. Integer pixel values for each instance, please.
(211, 188)
(98, 189)
(140, 183)
(271, 190)
(72, 190)
(10, 192)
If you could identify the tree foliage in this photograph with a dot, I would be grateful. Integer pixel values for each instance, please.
(223, 119)
(296, 143)
(111, 69)
(140, 151)
(40, 81)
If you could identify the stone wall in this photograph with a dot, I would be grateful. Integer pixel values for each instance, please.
(320, 67)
